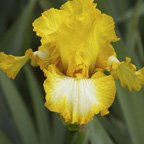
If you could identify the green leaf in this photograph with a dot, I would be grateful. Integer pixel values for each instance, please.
(59, 130)
(129, 14)
(133, 32)
(15, 40)
(18, 109)
(4, 138)
(7, 125)
(112, 7)
(98, 133)
(115, 128)
(78, 136)
(39, 109)
(132, 105)
(83, 135)
(46, 4)
(140, 47)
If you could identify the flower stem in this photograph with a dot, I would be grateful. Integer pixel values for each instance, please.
(79, 136)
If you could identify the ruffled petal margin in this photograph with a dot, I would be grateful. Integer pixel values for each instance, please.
(78, 100)
(50, 21)
(11, 65)
(126, 72)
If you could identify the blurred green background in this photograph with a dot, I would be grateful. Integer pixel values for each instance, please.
(23, 117)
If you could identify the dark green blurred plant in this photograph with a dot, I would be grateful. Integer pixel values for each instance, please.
(23, 117)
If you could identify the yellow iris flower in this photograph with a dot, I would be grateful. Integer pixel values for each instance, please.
(76, 49)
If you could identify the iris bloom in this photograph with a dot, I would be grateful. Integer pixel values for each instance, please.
(76, 50)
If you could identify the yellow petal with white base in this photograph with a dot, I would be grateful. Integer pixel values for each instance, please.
(78, 100)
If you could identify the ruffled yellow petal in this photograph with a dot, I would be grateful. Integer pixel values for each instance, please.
(107, 35)
(78, 37)
(50, 21)
(126, 72)
(51, 56)
(11, 65)
(40, 58)
(78, 100)
(76, 7)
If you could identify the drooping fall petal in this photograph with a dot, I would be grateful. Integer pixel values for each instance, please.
(11, 65)
(78, 100)
(127, 74)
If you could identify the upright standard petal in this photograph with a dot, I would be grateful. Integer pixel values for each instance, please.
(80, 34)
(127, 74)
(11, 65)
(106, 35)
(78, 47)
(78, 100)
(50, 21)
(76, 7)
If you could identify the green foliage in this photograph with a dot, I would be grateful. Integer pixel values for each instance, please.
(23, 117)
